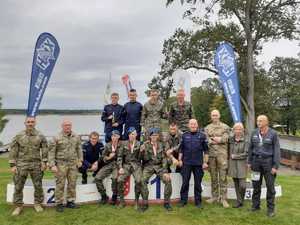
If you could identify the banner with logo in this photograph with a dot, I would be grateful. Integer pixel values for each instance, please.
(45, 55)
(227, 70)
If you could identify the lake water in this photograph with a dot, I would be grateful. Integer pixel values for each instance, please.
(50, 125)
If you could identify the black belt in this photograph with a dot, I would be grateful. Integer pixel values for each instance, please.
(263, 156)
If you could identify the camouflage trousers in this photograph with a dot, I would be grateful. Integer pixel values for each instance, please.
(136, 171)
(148, 171)
(110, 169)
(66, 171)
(36, 175)
(218, 174)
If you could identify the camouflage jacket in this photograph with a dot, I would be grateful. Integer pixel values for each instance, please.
(152, 115)
(173, 142)
(217, 130)
(125, 156)
(181, 115)
(148, 157)
(65, 148)
(28, 147)
(108, 149)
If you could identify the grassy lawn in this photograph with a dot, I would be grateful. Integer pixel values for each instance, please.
(288, 208)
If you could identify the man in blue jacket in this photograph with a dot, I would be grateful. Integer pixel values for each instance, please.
(264, 160)
(132, 114)
(193, 157)
(113, 117)
(92, 151)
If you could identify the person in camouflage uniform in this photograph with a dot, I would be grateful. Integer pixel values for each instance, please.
(218, 134)
(28, 155)
(155, 162)
(153, 112)
(172, 142)
(65, 157)
(109, 157)
(181, 112)
(129, 162)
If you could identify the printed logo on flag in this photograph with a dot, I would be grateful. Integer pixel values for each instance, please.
(45, 53)
(226, 66)
(226, 61)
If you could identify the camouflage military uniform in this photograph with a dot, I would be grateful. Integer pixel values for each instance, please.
(155, 164)
(181, 114)
(65, 153)
(109, 169)
(218, 159)
(130, 161)
(27, 151)
(173, 142)
(152, 115)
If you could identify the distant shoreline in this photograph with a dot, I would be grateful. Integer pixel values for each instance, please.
(55, 111)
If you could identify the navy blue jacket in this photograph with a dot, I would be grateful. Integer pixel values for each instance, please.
(132, 115)
(91, 153)
(192, 147)
(268, 148)
(118, 111)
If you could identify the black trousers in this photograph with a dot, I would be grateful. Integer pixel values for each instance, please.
(85, 171)
(264, 166)
(186, 172)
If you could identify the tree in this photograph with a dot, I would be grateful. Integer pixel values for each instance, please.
(210, 96)
(246, 24)
(285, 76)
(3, 121)
(202, 99)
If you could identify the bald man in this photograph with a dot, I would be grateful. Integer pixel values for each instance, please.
(263, 159)
(218, 134)
(193, 157)
(28, 156)
(65, 157)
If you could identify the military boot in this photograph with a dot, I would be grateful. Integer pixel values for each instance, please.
(144, 206)
(211, 200)
(17, 211)
(225, 203)
(72, 205)
(59, 208)
(114, 198)
(136, 205)
(104, 199)
(38, 208)
(167, 206)
(122, 203)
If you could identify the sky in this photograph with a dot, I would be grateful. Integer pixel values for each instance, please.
(96, 38)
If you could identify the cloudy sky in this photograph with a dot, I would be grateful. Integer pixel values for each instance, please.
(96, 38)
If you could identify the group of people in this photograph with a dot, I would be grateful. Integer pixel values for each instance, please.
(135, 145)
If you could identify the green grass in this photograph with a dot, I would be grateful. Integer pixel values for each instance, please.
(288, 208)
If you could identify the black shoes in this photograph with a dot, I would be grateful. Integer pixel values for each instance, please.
(104, 200)
(114, 198)
(122, 204)
(270, 213)
(167, 206)
(60, 208)
(181, 204)
(254, 209)
(72, 205)
(238, 205)
(199, 205)
(84, 181)
(144, 208)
